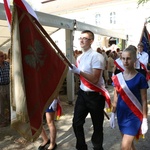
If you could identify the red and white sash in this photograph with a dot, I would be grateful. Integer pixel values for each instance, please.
(147, 74)
(7, 11)
(118, 66)
(127, 96)
(95, 88)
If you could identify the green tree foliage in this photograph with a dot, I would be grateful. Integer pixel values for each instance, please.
(140, 2)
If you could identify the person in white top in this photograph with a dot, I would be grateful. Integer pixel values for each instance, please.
(142, 60)
(110, 67)
(105, 72)
(89, 100)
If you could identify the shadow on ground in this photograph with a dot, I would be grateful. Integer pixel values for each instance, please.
(65, 135)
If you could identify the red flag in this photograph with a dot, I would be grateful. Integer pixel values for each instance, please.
(145, 39)
(37, 74)
(59, 109)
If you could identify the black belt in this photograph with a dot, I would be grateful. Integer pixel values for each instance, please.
(90, 92)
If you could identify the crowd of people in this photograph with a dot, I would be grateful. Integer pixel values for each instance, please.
(125, 70)
(110, 57)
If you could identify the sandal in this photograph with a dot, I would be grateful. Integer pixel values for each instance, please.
(55, 146)
(43, 147)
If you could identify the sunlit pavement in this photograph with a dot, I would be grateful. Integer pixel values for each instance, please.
(65, 135)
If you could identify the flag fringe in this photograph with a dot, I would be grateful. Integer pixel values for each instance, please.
(23, 125)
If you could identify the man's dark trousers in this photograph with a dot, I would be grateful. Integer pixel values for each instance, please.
(93, 103)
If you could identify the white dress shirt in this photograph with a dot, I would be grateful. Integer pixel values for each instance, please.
(143, 58)
(91, 60)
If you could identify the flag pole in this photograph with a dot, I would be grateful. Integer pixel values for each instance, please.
(143, 30)
(59, 51)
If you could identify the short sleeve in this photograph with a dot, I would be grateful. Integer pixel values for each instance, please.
(143, 83)
(98, 61)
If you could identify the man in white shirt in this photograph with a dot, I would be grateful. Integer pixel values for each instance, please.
(142, 60)
(90, 100)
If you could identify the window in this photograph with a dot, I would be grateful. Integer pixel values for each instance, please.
(97, 19)
(112, 18)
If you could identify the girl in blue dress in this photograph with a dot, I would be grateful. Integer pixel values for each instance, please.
(130, 101)
(50, 118)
